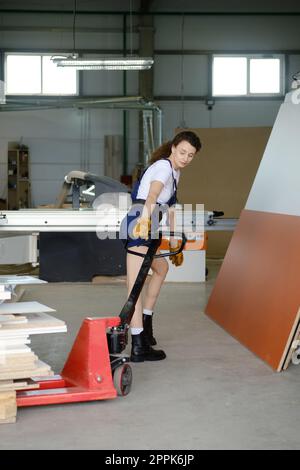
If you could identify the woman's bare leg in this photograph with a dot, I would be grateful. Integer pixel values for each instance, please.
(160, 267)
(134, 264)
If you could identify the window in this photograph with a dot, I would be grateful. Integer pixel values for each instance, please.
(247, 75)
(35, 74)
(265, 76)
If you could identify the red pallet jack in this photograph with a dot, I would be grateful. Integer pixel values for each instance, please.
(96, 369)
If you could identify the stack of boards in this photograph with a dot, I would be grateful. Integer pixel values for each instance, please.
(18, 363)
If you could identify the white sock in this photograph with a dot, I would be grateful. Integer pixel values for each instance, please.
(136, 331)
(147, 312)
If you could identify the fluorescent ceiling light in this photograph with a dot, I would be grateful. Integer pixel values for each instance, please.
(102, 63)
(119, 63)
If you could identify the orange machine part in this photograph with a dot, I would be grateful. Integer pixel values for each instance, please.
(190, 244)
(256, 296)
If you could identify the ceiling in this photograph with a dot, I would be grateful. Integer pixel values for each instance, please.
(179, 6)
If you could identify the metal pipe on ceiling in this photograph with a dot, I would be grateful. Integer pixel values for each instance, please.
(156, 52)
(64, 29)
(155, 13)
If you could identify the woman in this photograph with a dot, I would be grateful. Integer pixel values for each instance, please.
(157, 187)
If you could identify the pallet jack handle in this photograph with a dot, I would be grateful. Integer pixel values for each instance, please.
(128, 308)
(164, 255)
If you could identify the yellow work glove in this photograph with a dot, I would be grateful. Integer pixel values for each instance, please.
(176, 259)
(142, 228)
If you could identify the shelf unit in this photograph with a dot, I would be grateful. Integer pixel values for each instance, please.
(18, 182)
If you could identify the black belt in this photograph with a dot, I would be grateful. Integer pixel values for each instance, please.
(142, 201)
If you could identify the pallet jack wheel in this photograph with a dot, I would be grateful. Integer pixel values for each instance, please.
(122, 378)
(296, 357)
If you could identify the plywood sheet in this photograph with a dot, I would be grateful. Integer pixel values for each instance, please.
(18, 385)
(256, 296)
(14, 349)
(8, 384)
(17, 280)
(37, 323)
(12, 319)
(40, 369)
(5, 295)
(17, 341)
(221, 175)
(17, 360)
(23, 308)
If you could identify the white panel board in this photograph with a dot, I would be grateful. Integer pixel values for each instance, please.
(24, 307)
(276, 185)
(17, 280)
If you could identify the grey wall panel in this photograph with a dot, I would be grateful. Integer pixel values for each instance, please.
(195, 115)
(93, 5)
(224, 114)
(106, 122)
(244, 113)
(45, 192)
(55, 153)
(220, 5)
(58, 20)
(51, 172)
(226, 32)
(132, 86)
(60, 40)
(172, 71)
(64, 123)
(294, 67)
(102, 83)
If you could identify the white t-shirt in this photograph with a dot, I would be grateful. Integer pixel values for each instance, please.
(159, 171)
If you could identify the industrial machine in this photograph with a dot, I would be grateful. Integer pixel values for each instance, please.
(84, 188)
(76, 243)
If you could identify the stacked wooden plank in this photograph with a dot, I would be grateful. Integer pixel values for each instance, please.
(18, 363)
(5, 293)
(13, 286)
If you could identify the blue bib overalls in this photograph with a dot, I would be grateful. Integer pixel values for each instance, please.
(129, 222)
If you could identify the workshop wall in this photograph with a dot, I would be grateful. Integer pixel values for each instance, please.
(61, 141)
(58, 139)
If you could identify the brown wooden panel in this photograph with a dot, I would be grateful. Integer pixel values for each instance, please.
(222, 174)
(256, 296)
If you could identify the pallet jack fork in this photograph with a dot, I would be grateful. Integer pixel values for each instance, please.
(95, 368)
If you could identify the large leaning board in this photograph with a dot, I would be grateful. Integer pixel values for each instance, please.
(256, 296)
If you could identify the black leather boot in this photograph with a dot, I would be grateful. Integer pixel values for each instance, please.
(148, 329)
(142, 351)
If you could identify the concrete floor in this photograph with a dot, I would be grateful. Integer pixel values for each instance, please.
(210, 392)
